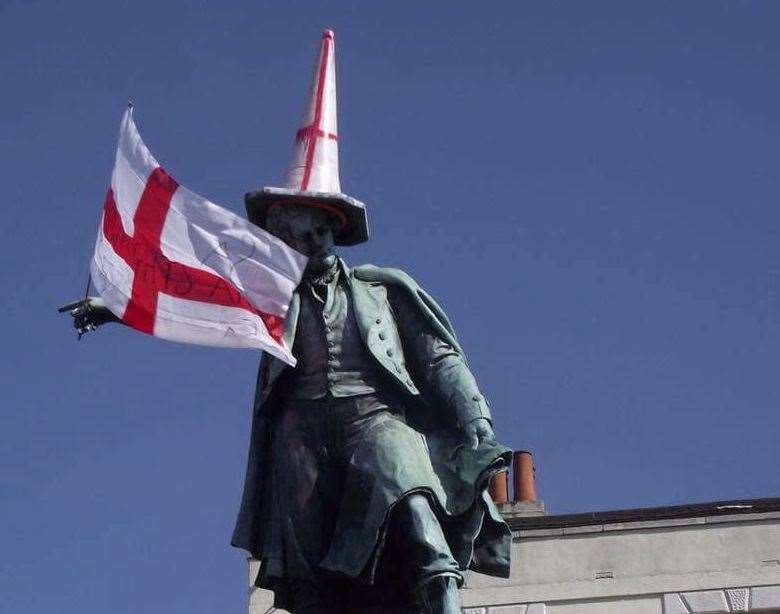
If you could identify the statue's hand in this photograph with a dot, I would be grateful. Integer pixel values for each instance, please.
(88, 314)
(477, 431)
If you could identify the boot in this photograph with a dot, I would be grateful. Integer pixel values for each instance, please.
(439, 595)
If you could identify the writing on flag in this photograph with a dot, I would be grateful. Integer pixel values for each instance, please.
(170, 263)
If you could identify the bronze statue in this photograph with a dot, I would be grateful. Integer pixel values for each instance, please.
(369, 460)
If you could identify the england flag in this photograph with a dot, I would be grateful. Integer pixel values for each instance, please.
(172, 264)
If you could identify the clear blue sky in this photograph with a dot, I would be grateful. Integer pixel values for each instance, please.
(590, 189)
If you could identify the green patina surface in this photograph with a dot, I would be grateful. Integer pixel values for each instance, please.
(411, 342)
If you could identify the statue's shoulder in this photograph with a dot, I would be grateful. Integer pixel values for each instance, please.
(386, 275)
(396, 278)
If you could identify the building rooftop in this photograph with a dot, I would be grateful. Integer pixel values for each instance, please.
(716, 511)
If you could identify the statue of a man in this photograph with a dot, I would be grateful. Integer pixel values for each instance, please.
(369, 460)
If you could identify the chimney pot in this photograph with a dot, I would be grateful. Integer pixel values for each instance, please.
(524, 476)
(499, 487)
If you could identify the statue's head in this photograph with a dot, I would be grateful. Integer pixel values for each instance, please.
(309, 230)
(346, 216)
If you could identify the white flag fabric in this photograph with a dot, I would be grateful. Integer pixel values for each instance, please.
(170, 263)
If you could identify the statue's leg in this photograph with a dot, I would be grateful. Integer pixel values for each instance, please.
(307, 486)
(440, 596)
(433, 572)
(311, 599)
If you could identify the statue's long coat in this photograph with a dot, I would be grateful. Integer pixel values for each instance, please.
(455, 479)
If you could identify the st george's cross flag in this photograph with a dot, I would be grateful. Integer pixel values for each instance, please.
(172, 264)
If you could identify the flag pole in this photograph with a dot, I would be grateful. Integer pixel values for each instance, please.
(89, 271)
(86, 297)
(85, 300)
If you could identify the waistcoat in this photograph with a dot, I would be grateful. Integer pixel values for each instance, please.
(330, 351)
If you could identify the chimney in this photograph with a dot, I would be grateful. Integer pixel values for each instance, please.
(525, 501)
(525, 476)
(499, 487)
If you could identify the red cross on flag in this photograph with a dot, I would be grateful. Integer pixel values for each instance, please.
(172, 264)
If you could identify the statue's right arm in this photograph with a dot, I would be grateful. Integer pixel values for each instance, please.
(89, 313)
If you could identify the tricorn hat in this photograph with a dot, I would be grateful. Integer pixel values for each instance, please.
(313, 178)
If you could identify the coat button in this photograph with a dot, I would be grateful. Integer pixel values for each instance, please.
(475, 397)
(389, 352)
(379, 320)
(382, 336)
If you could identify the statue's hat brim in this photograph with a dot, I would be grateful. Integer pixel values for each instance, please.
(352, 226)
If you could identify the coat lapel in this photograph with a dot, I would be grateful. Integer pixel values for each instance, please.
(367, 301)
(291, 321)
(276, 366)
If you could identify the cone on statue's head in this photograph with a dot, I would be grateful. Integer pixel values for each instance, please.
(313, 178)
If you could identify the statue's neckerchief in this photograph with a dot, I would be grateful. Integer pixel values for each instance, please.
(319, 283)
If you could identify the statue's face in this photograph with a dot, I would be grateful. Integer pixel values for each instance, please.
(306, 229)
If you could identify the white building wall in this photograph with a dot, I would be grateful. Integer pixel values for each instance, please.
(677, 566)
